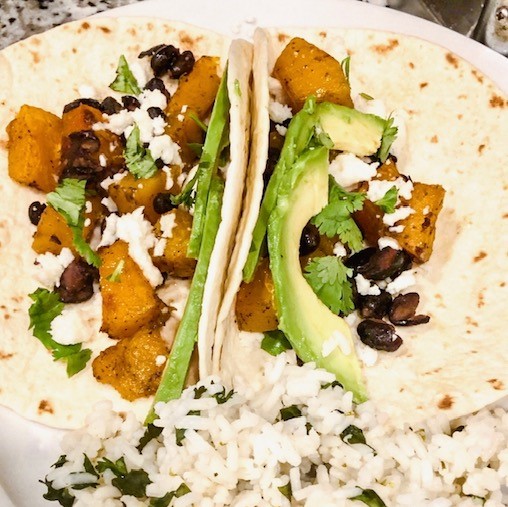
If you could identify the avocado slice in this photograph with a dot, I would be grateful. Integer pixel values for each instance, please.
(349, 129)
(305, 320)
(340, 128)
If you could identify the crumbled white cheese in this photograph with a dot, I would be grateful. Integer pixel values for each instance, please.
(169, 177)
(105, 184)
(180, 117)
(426, 210)
(87, 91)
(174, 293)
(374, 106)
(281, 130)
(348, 170)
(134, 229)
(403, 281)
(166, 149)
(275, 88)
(160, 360)
(279, 112)
(378, 188)
(78, 323)
(116, 123)
(365, 288)
(48, 267)
(160, 246)
(339, 250)
(387, 241)
(148, 127)
(399, 214)
(184, 108)
(397, 228)
(88, 207)
(167, 223)
(328, 347)
(342, 342)
(87, 222)
(110, 204)
(103, 161)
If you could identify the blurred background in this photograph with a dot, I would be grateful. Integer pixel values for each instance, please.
(483, 20)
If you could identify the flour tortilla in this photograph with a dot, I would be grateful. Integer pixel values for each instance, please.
(46, 71)
(457, 130)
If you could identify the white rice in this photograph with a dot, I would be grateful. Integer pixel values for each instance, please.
(240, 452)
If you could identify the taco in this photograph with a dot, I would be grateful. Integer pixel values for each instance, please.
(133, 182)
(365, 197)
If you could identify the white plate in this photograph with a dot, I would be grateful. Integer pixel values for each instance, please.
(28, 449)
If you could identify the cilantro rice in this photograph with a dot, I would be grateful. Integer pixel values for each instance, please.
(299, 436)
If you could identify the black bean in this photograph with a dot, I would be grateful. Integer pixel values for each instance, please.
(130, 103)
(111, 106)
(162, 203)
(157, 84)
(163, 59)
(271, 162)
(76, 282)
(159, 163)
(376, 306)
(360, 258)
(78, 102)
(182, 65)
(153, 112)
(379, 335)
(79, 155)
(35, 211)
(403, 310)
(151, 51)
(309, 240)
(386, 263)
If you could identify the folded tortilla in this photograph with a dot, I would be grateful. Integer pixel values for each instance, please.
(456, 136)
(47, 71)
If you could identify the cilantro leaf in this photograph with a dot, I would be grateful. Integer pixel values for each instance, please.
(275, 342)
(45, 307)
(199, 391)
(328, 278)
(389, 136)
(132, 483)
(335, 218)
(198, 122)
(222, 397)
(138, 159)
(369, 497)
(179, 436)
(286, 490)
(389, 200)
(353, 435)
(62, 496)
(345, 64)
(366, 96)
(115, 276)
(125, 82)
(69, 200)
(187, 195)
(164, 501)
(151, 432)
(292, 412)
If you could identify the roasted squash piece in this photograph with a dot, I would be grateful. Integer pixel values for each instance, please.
(130, 193)
(303, 69)
(34, 145)
(131, 366)
(128, 301)
(419, 232)
(195, 95)
(53, 233)
(174, 260)
(255, 303)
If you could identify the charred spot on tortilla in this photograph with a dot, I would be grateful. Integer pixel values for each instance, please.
(481, 299)
(5, 355)
(452, 60)
(423, 85)
(480, 256)
(496, 384)
(386, 48)
(481, 147)
(446, 402)
(471, 322)
(434, 139)
(497, 101)
(45, 406)
(104, 29)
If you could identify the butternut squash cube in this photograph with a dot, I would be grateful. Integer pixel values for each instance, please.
(128, 300)
(195, 95)
(304, 69)
(174, 260)
(34, 145)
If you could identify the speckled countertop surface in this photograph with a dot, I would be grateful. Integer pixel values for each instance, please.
(21, 18)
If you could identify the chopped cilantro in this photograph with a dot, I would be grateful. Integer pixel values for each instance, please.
(138, 159)
(222, 397)
(199, 391)
(197, 148)
(389, 200)
(275, 342)
(238, 90)
(132, 483)
(151, 432)
(353, 435)
(188, 193)
(45, 307)
(286, 490)
(69, 199)
(335, 218)
(179, 436)
(389, 136)
(345, 64)
(328, 278)
(125, 82)
(164, 501)
(291, 412)
(366, 96)
(198, 122)
(369, 497)
(62, 496)
(115, 276)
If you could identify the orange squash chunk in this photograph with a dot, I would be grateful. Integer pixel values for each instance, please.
(34, 147)
(303, 69)
(130, 366)
(53, 233)
(129, 301)
(194, 96)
